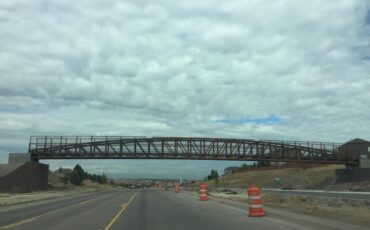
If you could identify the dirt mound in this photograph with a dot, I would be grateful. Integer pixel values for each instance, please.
(289, 178)
(351, 211)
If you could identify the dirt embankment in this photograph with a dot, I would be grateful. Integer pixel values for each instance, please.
(56, 182)
(291, 178)
(346, 210)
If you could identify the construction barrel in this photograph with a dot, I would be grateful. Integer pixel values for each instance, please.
(255, 202)
(203, 192)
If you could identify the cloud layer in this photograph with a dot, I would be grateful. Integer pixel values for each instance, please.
(176, 68)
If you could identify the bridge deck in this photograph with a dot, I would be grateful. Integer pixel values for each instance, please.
(126, 147)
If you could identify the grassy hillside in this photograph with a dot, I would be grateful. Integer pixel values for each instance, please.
(295, 178)
(55, 182)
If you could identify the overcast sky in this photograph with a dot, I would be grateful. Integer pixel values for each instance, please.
(287, 69)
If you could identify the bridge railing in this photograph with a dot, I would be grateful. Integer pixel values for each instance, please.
(43, 142)
(310, 144)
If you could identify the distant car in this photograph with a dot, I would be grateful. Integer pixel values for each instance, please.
(132, 187)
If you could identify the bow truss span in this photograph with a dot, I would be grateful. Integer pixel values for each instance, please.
(195, 148)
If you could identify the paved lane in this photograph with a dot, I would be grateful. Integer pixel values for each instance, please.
(92, 211)
(159, 210)
(23, 211)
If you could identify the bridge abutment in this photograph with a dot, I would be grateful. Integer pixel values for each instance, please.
(22, 174)
(354, 173)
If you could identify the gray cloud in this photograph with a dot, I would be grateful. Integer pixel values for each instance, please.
(168, 68)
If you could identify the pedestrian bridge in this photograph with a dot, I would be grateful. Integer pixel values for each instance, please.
(194, 148)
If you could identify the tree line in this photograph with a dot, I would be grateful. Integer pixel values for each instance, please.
(78, 175)
(212, 175)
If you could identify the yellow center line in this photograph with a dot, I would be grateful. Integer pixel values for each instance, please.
(36, 217)
(123, 207)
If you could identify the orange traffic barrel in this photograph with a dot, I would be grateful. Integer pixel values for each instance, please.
(203, 192)
(255, 202)
(177, 187)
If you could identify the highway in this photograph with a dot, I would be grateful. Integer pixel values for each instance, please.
(135, 209)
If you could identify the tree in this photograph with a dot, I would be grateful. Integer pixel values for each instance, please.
(263, 164)
(64, 179)
(260, 164)
(93, 177)
(104, 178)
(213, 175)
(244, 165)
(77, 175)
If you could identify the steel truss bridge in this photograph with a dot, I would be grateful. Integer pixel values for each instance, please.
(123, 147)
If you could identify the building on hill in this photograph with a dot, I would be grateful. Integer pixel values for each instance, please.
(356, 148)
(231, 170)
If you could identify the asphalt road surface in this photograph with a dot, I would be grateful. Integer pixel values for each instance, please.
(135, 209)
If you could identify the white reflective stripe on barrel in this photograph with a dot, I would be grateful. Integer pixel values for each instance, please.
(203, 195)
(254, 197)
(255, 206)
(202, 190)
